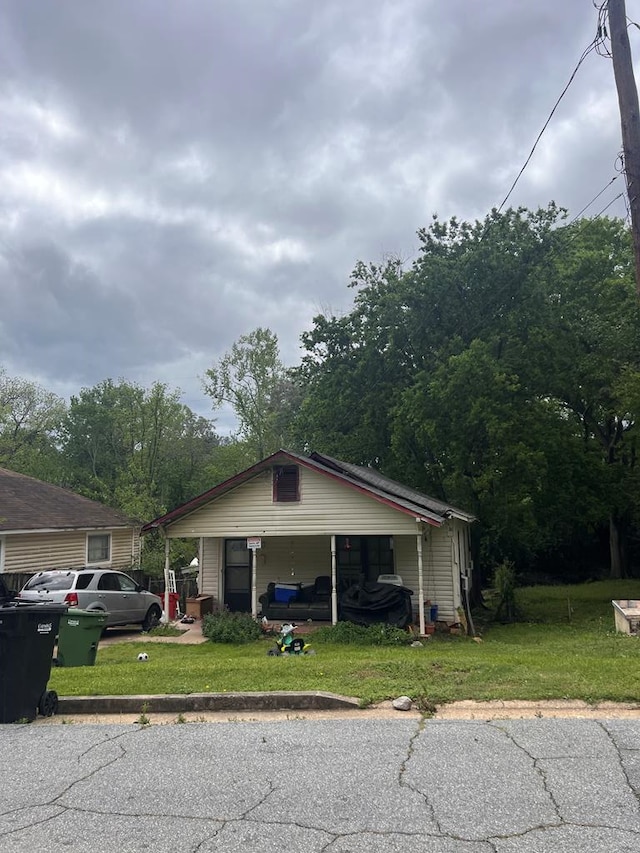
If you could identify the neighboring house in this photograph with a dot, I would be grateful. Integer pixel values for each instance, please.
(45, 527)
(314, 515)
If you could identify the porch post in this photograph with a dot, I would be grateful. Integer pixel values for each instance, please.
(254, 583)
(420, 582)
(334, 592)
(165, 615)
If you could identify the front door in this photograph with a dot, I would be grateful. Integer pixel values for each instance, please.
(237, 575)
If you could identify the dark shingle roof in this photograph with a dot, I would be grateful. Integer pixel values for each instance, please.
(30, 504)
(390, 487)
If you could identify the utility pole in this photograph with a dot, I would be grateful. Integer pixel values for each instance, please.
(629, 116)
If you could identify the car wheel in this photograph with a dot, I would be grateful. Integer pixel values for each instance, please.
(152, 619)
(48, 704)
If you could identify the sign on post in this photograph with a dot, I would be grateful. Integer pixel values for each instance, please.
(253, 543)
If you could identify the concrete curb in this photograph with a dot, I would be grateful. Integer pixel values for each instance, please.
(182, 702)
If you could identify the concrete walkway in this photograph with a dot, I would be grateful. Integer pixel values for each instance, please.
(192, 634)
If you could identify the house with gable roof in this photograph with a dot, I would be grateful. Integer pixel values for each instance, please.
(292, 518)
(43, 526)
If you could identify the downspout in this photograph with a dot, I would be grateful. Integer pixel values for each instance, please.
(165, 615)
(254, 583)
(420, 580)
(334, 592)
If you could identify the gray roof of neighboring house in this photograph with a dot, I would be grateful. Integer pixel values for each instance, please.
(364, 479)
(30, 504)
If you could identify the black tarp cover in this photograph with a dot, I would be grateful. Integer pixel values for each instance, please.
(368, 603)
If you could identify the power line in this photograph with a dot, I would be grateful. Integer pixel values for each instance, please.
(595, 198)
(606, 207)
(598, 44)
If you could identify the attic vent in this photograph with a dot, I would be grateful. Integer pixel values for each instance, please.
(285, 484)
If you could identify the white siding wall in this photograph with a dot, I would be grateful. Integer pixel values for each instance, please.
(439, 585)
(210, 573)
(293, 559)
(326, 507)
(307, 557)
(31, 552)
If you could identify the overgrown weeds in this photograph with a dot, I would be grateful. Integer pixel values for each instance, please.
(379, 634)
(226, 627)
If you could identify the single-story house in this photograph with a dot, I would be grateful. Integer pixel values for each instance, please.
(291, 518)
(43, 526)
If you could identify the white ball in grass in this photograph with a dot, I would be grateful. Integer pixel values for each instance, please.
(142, 657)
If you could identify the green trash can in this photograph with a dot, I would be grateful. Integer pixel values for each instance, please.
(78, 637)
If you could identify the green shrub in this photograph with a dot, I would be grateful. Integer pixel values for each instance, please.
(226, 627)
(505, 582)
(379, 634)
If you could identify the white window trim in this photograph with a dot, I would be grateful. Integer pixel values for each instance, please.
(106, 562)
(3, 543)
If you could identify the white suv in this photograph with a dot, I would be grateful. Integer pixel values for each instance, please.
(115, 593)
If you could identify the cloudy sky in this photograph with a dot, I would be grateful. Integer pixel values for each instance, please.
(175, 173)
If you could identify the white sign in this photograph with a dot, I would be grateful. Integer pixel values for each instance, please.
(253, 543)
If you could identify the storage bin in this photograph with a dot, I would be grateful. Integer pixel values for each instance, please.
(285, 592)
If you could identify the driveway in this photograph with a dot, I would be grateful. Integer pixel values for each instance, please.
(338, 786)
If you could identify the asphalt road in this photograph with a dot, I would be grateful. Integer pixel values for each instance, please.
(341, 786)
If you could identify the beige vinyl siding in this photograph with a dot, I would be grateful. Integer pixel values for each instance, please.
(31, 552)
(437, 572)
(326, 507)
(210, 573)
(306, 556)
(293, 560)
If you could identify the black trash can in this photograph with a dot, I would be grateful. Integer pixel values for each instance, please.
(27, 636)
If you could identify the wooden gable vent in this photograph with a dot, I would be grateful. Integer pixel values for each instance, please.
(286, 484)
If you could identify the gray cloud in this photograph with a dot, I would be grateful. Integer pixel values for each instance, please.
(177, 174)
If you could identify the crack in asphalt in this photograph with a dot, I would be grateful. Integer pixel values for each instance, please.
(402, 782)
(539, 770)
(53, 802)
(215, 826)
(618, 752)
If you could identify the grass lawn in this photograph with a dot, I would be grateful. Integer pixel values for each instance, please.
(563, 647)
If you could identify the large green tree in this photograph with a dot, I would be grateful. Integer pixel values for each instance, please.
(138, 449)
(490, 374)
(30, 423)
(254, 383)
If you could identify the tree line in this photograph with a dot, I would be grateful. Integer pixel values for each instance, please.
(499, 372)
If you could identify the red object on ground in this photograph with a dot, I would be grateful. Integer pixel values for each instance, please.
(174, 598)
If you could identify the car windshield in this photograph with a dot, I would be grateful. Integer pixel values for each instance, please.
(51, 581)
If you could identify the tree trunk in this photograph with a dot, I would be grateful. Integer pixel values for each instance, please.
(617, 547)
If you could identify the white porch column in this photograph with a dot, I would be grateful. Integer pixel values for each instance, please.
(334, 591)
(254, 583)
(165, 615)
(420, 582)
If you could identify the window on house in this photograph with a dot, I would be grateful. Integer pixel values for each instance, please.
(98, 548)
(286, 486)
